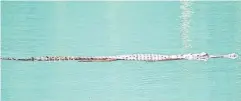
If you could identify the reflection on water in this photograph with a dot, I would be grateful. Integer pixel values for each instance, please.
(186, 14)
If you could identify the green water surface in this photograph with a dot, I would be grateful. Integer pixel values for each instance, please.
(112, 28)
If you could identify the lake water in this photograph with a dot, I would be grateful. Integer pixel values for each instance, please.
(113, 28)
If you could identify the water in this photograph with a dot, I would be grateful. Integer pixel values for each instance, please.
(112, 28)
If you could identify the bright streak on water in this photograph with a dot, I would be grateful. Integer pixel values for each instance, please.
(186, 14)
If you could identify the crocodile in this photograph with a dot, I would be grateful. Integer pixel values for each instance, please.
(203, 56)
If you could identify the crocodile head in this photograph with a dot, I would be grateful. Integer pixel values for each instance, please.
(199, 56)
(231, 56)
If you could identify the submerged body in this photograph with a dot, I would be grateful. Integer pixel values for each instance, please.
(133, 57)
